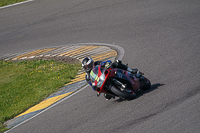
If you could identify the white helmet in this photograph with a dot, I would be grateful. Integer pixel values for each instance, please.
(88, 64)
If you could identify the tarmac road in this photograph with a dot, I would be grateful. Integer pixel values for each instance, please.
(160, 38)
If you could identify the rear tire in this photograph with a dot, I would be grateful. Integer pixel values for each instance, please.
(146, 84)
(123, 94)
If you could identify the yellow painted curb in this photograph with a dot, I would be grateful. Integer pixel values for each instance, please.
(45, 103)
(99, 53)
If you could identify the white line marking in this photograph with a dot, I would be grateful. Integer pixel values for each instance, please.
(48, 108)
(16, 4)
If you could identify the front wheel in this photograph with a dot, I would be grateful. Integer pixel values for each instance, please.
(145, 83)
(124, 94)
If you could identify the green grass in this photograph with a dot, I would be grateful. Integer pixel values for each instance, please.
(8, 2)
(24, 84)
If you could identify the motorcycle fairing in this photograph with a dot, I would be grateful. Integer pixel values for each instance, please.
(97, 76)
(126, 78)
(100, 75)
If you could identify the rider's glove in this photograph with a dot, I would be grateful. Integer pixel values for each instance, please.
(106, 64)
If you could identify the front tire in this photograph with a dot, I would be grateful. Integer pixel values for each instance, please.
(127, 95)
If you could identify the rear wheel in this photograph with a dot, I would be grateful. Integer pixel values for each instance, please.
(145, 83)
(127, 94)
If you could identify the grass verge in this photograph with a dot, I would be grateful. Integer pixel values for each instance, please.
(8, 2)
(24, 84)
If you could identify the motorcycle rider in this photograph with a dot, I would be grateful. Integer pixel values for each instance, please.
(88, 64)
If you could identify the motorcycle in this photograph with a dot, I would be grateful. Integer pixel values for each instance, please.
(117, 82)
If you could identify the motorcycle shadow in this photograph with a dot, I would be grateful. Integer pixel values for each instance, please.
(142, 92)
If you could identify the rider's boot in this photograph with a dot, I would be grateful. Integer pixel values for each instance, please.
(108, 97)
(119, 64)
(134, 71)
(139, 74)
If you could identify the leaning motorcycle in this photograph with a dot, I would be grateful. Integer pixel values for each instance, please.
(117, 82)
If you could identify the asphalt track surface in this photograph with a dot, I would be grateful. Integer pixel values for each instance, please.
(160, 38)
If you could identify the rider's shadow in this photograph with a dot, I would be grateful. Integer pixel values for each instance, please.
(140, 93)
